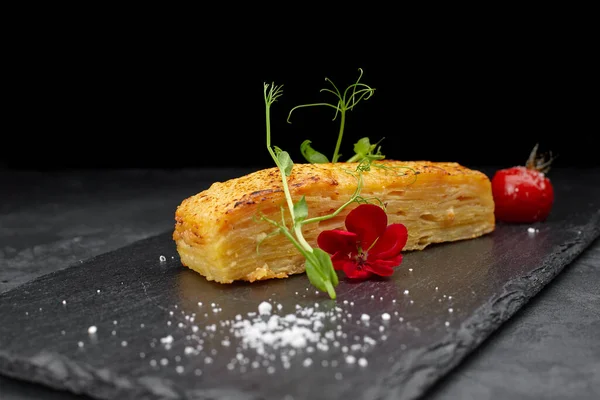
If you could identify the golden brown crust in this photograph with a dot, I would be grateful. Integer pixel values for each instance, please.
(223, 199)
(205, 221)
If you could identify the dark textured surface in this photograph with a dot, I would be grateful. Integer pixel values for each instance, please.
(86, 215)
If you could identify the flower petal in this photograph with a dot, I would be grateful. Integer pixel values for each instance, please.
(368, 221)
(390, 262)
(337, 240)
(339, 259)
(391, 243)
(352, 272)
(380, 268)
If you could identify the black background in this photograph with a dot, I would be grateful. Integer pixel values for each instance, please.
(153, 97)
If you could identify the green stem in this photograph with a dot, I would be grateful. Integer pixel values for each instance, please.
(359, 185)
(298, 241)
(286, 189)
(306, 252)
(268, 116)
(340, 135)
(355, 158)
(330, 289)
(300, 237)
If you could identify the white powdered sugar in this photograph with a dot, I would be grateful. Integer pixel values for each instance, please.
(277, 332)
(264, 308)
(271, 337)
(167, 339)
(272, 340)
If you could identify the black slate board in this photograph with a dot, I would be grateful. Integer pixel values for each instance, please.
(484, 281)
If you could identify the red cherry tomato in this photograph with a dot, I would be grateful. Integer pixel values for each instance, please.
(523, 194)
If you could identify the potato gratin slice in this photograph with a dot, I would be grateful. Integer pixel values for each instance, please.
(217, 234)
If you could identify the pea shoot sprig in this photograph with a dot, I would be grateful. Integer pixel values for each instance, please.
(346, 102)
(318, 265)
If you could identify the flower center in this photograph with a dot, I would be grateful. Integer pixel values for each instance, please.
(360, 259)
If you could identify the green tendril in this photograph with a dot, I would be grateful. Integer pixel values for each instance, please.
(397, 173)
(346, 102)
(318, 264)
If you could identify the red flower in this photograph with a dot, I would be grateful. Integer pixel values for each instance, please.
(369, 246)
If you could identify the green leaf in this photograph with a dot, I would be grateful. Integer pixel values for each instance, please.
(314, 276)
(284, 159)
(363, 147)
(301, 210)
(311, 155)
(326, 266)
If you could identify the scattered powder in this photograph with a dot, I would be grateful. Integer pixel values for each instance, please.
(265, 308)
(167, 339)
(272, 340)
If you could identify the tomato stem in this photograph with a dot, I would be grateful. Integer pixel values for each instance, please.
(537, 162)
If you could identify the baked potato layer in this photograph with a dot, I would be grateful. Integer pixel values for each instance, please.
(217, 231)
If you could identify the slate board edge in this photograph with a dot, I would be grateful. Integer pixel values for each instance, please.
(477, 328)
(406, 380)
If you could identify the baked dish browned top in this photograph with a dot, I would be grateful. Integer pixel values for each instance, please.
(217, 231)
